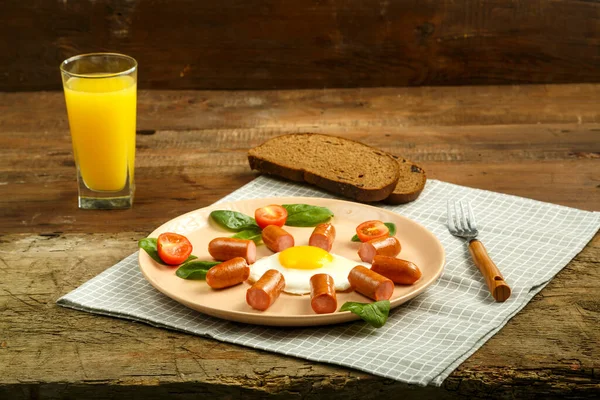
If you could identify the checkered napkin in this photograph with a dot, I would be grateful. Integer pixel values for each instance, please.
(424, 340)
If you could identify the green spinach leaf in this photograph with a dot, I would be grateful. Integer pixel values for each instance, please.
(376, 314)
(252, 233)
(306, 215)
(392, 227)
(195, 269)
(233, 220)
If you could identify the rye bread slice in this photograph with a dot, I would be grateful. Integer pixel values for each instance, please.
(336, 164)
(411, 183)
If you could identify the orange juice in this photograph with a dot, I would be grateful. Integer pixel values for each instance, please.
(102, 112)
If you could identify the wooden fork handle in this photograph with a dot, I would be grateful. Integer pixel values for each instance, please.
(494, 279)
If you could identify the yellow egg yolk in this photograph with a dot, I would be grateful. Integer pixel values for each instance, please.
(304, 257)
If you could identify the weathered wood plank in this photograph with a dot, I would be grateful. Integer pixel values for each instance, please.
(375, 108)
(205, 180)
(231, 44)
(52, 352)
(193, 145)
(189, 188)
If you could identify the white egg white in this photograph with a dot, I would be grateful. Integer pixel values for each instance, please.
(297, 281)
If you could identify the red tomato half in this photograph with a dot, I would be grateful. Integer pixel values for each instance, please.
(173, 248)
(370, 230)
(270, 215)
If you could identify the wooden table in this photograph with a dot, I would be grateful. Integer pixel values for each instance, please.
(541, 142)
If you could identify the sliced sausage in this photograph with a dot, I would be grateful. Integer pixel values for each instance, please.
(370, 283)
(277, 239)
(400, 271)
(322, 294)
(266, 290)
(323, 237)
(223, 249)
(386, 246)
(228, 273)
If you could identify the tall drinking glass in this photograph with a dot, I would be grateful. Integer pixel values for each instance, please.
(100, 92)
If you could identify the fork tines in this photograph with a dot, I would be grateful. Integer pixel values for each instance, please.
(461, 219)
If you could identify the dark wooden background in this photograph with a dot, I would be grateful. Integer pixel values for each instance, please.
(259, 44)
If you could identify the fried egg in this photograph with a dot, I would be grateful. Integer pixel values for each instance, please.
(297, 264)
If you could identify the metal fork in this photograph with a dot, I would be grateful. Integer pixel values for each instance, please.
(461, 223)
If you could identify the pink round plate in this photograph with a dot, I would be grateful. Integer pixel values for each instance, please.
(418, 245)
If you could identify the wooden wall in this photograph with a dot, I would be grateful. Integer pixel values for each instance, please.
(257, 44)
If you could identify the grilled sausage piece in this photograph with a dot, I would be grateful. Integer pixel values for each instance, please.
(400, 271)
(370, 284)
(224, 248)
(387, 246)
(322, 294)
(277, 239)
(228, 273)
(323, 237)
(266, 290)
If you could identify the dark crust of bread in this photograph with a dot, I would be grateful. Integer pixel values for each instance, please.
(337, 187)
(400, 197)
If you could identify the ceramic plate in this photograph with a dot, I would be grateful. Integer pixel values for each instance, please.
(418, 245)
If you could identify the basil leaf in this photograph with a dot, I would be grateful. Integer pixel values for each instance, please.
(253, 233)
(233, 220)
(150, 246)
(391, 226)
(306, 215)
(376, 314)
(195, 269)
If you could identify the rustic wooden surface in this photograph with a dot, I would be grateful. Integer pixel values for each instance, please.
(541, 142)
(268, 44)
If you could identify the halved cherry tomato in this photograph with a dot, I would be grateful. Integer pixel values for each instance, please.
(270, 215)
(173, 248)
(370, 230)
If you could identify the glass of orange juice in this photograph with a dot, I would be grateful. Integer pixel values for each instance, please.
(100, 92)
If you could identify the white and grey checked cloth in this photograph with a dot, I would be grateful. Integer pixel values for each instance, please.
(424, 340)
